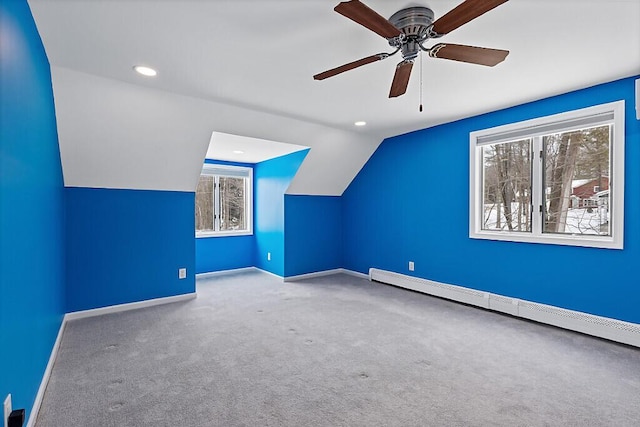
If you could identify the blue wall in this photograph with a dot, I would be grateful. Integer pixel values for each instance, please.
(127, 245)
(31, 209)
(313, 234)
(272, 178)
(411, 202)
(224, 253)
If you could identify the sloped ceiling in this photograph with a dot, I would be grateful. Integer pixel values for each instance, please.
(245, 67)
(119, 135)
(243, 149)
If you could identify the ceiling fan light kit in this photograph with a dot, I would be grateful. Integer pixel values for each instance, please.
(408, 29)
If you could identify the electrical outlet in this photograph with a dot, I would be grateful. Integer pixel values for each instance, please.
(182, 273)
(7, 410)
(268, 256)
(412, 266)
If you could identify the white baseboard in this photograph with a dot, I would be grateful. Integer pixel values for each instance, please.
(312, 275)
(603, 327)
(223, 272)
(355, 274)
(269, 273)
(35, 409)
(126, 307)
(326, 273)
(235, 271)
(285, 279)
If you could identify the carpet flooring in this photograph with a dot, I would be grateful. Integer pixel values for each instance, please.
(332, 351)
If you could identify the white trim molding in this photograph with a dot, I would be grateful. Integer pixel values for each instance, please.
(312, 275)
(217, 171)
(288, 278)
(270, 273)
(35, 408)
(326, 273)
(126, 307)
(638, 99)
(355, 274)
(598, 326)
(209, 274)
(534, 130)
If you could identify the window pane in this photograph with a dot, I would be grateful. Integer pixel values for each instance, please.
(576, 174)
(507, 186)
(204, 203)
(232, 203)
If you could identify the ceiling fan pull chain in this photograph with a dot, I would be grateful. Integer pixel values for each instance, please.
(421, 86)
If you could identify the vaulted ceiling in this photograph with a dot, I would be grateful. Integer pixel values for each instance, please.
(257, 58)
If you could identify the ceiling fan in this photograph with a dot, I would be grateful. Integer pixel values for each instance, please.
(408, 29)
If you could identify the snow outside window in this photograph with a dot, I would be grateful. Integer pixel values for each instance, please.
(557, 179)
(223, 203)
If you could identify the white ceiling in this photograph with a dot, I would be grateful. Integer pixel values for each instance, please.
(262, 54)
(244, 149)
(245, 67)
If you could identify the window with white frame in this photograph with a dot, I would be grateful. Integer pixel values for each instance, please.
(556, 179)
(224, 201)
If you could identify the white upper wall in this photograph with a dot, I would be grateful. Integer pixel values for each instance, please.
(119, 135)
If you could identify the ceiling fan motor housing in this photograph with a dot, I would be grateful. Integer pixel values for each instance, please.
(414, 23)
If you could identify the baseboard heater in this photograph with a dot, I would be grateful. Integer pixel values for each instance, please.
(603, 327)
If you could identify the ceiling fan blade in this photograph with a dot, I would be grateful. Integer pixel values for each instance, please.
(367, 17)
(401, 79)
(471, 54)
(463, 13)
(350, 66)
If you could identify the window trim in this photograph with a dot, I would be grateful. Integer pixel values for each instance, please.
(230, 171)
(571, 120)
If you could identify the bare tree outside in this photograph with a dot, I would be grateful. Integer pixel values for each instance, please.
(204, 203)
(221, 203)
(561, 152)
(571, 159)
(232, 203)
(507, 186)
(554, 180)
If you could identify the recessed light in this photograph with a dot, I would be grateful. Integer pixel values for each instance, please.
(145, 71)
(238, 152)
(360, 123)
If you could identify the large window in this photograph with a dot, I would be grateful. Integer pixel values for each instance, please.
(557, 179)
(224, 201)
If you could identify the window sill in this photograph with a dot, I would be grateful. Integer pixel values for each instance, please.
(590, 241)
(206, 235)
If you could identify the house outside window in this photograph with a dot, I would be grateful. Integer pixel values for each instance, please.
(556, 180)
(224, 201)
